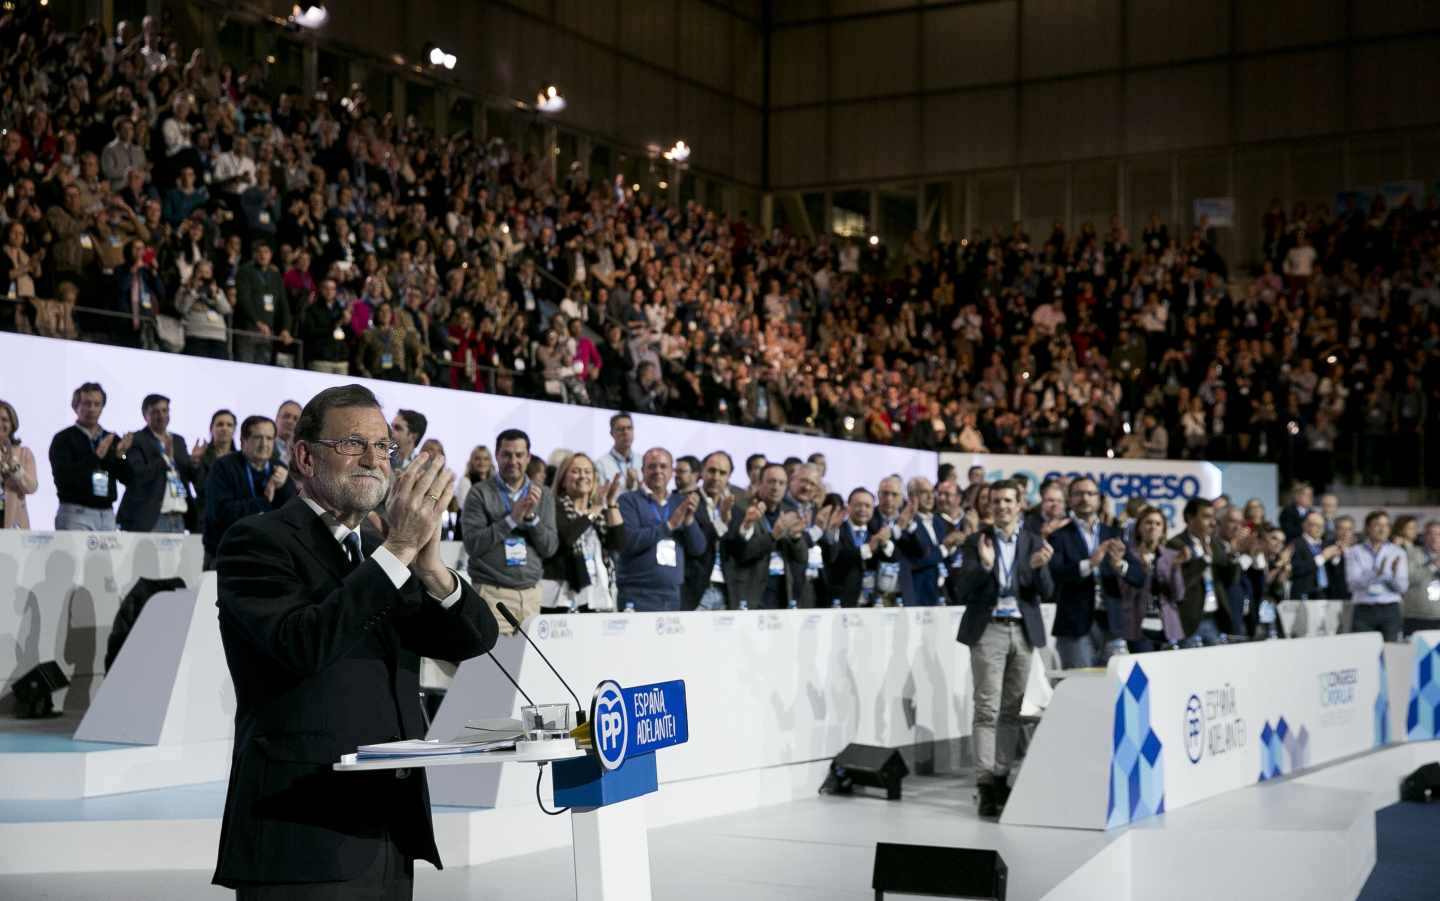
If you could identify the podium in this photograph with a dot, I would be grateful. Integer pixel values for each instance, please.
(603, 788)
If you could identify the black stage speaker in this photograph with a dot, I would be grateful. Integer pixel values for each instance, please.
(869, 766)
(1422, 785)
(33, 690)
(940, 872)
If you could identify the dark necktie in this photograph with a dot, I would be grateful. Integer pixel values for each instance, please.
(352, 549)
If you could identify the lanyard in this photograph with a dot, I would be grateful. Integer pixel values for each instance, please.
(1007, 573)
(99, 437)
(505, 493)
(1375, 556)
(624, 463)
(250, 471)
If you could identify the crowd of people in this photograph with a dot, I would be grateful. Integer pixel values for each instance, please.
(621, 529)
(168, 201)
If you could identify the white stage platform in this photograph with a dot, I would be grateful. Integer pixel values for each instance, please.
(1310, 836)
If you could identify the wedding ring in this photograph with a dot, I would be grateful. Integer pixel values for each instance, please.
(433, 497)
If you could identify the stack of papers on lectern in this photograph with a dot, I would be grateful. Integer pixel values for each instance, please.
(465, 744)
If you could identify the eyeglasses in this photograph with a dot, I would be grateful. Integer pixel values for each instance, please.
(354, 446)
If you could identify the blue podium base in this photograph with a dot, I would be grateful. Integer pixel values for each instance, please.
(580, 783)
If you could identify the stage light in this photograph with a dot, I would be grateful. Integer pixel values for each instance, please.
(874, 240)
(310, 15)
(550, 100)
(635, 187)
(270, 60)
(678, 153)
(662, 185)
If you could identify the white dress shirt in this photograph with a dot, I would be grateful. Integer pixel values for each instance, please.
(398, 572)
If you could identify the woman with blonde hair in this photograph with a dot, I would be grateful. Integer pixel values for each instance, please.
(578, 577)
(17, 471)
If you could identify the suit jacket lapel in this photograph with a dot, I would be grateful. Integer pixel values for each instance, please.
(315, 538)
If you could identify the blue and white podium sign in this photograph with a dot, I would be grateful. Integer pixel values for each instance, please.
(1422, 712)
(629, 722)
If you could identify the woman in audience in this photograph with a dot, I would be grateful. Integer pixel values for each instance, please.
(389, 350)
(205, 454)
(481, 466)
(577, 578)
(1150, 618)
(17, 471)
(203, 305)
(1406, 531)
(18, 271)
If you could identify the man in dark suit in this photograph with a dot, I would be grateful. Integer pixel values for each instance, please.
(244, 484)
(1292, 518)
(159, 496)
(924, 549)
(707, 574)
(323, 633)
(1202, 578)
(1004, 578)
(767, 542)
(1091, 558)
(1317, 568)
(849, 552)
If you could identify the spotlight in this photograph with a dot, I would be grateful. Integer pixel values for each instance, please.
(270, 60)
(635, 187)
(662, 185)
(874, 240)
(678, 153)
(550, 100)
(440, 58)
(309, 15)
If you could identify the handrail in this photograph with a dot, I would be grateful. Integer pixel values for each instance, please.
(231, 332)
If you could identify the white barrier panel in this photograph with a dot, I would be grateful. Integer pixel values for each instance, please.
(1422, 709)
(1193, 724)
(764, 688)
(459, 419)
(1313, 619)
(1167, 484)
(62, 590)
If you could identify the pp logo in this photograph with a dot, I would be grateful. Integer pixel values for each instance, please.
(1194, 729)
(611, 729)
(543, 630)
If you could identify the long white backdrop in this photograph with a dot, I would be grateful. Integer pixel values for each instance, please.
(38, 376)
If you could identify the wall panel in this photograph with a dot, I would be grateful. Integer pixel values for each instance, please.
(798, 147)
(1072, 119)
(1065, 36)
(967, 45)
(647, 29)
(1167, 31)
(973, 130)
(1173, 108)
(1264, 24)
(871, 57)
(857, 154)
(595, 19)
(1395, 17)
(1094, 195)
(1290, 96)
(705, 44)
(797, 66)
(1394, 85)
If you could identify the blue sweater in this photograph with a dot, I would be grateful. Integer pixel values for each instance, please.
(638, 576)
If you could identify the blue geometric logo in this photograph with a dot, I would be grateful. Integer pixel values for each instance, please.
(1382, 706)
(1422, 716)
(1194, 728)
(1283, 749)
(1137, 771)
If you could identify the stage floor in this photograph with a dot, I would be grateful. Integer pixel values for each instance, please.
(817, 848)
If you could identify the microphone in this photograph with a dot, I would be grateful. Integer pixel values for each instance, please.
(515, 624)
(510, 677)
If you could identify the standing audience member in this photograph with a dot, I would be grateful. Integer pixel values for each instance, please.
(589, 530)
(1379, 575)
(203, 305)
(158, 496)
(849, 550)
(620, 458)
(1292, 517)
(768, 544)
(262, 312)
(244, 484)
(1150, 618)
(17, 471)
(1004, 579)
(1422, 596)
(709, 574)
(509, 531)
(206, 453)
(408, 430)
(478, 468)
(86, 462)
(1091, 561)
(286, 418)
(1316, 564)
(1206, 571)
(660, 534)
(924, 548)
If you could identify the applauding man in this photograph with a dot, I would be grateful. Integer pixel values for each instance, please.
(509, 527)
(1005, 577)
(244, 484)
(660, 535)
(323, 633)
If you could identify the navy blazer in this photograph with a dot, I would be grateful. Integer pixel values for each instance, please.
(921, 563)
(978, 590)
(325, 656)
(845, 566)
(1075, 594)
(1305, 575)
(231, 494)
(149, 481)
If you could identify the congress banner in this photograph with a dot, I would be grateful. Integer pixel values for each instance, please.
(1193, 724)
(1167, 484)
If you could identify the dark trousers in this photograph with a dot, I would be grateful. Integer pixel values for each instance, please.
(1415, 624)
(390, 878)
(1382, 618)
